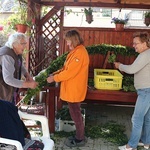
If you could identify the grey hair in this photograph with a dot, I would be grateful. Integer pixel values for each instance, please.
(13, 38)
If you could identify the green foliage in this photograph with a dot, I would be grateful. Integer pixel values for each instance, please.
(88, 11)
(112, 58)
(41, 78)
(90, 82)
(58, 63)
(110, 131)
(128, 83)
(117, 49)
(19, 17)
(64, 114)
(147, 14)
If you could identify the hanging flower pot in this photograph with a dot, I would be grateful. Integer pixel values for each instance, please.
(89, 18)
(147, 18)
(119, 23)
(21, 28)
(88, 13)
(119, 27)
(147, 21)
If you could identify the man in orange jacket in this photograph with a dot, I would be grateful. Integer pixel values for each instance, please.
(74, 79)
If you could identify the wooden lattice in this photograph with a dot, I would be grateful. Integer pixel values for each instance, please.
(44, 45)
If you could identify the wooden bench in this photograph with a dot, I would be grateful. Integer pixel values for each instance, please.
(53, 103)
(101, 61)
(111, 96)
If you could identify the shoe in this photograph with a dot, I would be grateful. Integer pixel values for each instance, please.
(140, 144)
(71, 137)
(73, 143)
(146, 146)
(124, 148)
(74, 138)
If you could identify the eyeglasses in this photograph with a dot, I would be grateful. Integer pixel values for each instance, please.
(23, 43)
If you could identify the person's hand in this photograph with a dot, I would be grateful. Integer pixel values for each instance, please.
(33, 84)
(30, 84)
(29, 79)
(117, 64)
(50, 79)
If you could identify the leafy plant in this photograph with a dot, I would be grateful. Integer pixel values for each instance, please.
(147, 18)
(88, 11)
(41, 78)
(58, 63)
(112, 58)
(128, 83)
(111, 131)
(64, 114)
(117, 49)
(90, 82)
(118, 20)
(147, 14)
(19, 17)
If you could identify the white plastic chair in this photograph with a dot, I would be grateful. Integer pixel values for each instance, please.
(45, 138)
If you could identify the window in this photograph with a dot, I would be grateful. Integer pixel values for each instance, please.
(102, 17)
(106, 12)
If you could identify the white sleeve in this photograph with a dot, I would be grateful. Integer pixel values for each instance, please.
(8, 70)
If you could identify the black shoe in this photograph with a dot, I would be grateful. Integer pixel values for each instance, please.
(73, 143)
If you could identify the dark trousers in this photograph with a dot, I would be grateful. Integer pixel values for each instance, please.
(75, 113)
(10, 123)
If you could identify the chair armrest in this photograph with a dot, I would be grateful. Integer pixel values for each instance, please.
(12, 142)
(42, 119)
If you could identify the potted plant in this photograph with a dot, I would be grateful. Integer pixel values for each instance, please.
(18, 21)
(65, 122)
(147, 18)
(119, 23)
(88, 13)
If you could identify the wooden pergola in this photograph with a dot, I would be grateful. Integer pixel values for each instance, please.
(47, 33)
(46, 43)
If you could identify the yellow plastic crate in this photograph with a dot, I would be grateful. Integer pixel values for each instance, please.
(107, 79)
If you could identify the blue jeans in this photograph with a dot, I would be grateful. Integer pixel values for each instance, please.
(141, 119)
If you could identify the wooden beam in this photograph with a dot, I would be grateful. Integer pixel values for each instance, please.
(96, 4)
(118, 1)
(50, 13)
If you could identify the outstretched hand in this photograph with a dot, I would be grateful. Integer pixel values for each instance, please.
(117, 64)
(50, 79)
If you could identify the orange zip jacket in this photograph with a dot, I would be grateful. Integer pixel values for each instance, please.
(74, 75)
